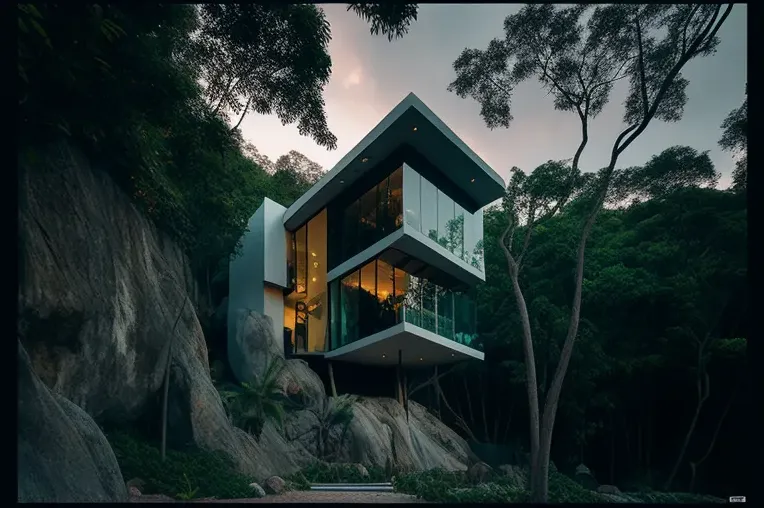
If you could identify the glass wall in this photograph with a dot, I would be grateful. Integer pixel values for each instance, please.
(373, 216)
(377, 296)
(305, 312)
(430, 211)
(413, 200)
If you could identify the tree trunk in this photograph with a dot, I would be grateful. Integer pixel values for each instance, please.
(331, 380)
(469, 399)
(166, 393)
(482, 404)
(712, 444)
(703, 384)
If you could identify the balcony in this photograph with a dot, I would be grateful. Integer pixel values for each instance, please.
(379, 310)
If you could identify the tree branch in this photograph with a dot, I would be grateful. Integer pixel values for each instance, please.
(246, 107)
(642, 80)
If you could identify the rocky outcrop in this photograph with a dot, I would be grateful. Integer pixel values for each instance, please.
(99, 291)
(380, 433)
(62, 454)
(253, 346)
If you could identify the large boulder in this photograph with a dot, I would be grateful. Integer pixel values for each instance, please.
(62, 454)
(252, 346)
(100, 290)
(585, 478)
(380, 432)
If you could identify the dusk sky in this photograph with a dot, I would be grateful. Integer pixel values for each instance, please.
(371, 75)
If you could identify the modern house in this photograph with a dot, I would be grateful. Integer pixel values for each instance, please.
(376, 263)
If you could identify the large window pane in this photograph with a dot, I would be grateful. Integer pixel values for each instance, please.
(413, 300)
(368, 306)
(445, 313)
(368, 223)
(395, 200)
(456, 233)
(350, 230)
(471, 236)
(384, 224)
(316, 283)
(301, 239)
(429, 306)
(477, 251)
(411, 197)
(445, 219)
(385, 296)
(401, 281)
(429, 209)
(349, 305)
(334, 314)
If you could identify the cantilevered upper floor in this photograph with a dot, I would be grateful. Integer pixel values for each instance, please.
(410, 184)
(382, 253)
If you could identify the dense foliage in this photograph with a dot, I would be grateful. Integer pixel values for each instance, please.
(437, 485)
(665, 303)
(183, 473)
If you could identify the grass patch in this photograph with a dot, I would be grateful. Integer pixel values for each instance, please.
(437, 485)
(187, 474)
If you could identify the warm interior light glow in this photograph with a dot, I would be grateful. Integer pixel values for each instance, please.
(414, 129)
(315, 264)
(313, 254)
(313, 279)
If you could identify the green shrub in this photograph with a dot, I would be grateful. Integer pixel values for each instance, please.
(183, 474)
(673, 498)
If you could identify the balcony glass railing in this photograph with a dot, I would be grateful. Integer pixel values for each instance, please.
(378, 296)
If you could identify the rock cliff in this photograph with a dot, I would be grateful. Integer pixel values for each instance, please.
(99, 291)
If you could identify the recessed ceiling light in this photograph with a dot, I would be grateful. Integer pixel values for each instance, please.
(365, 159)
(342, 181)
(414, 129)
(313, 279)
(472, 181)
(421, 359)
(452, 354)
(384, 355)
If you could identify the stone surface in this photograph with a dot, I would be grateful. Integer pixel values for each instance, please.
(99, 291)
(252, 346)
(62, 454)
(133, 491)
(608, 489)
(585, 478)
(257, 490)
(517, 475)
(380, 431)
(274, 485)
(479, 472)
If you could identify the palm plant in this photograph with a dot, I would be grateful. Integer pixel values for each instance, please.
(250, 404)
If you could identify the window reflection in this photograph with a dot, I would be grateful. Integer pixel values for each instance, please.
(456, 232)
(376, 296)
(445, 218)
(411, 197)
(349, 308)
(429, 209)
(376, 214)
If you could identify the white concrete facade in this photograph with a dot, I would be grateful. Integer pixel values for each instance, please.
(259, 273)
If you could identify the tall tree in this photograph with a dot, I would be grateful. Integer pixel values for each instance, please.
(735, 140)
(274, 59)
(578, 62)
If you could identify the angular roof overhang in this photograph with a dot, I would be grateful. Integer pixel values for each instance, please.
(410, 123)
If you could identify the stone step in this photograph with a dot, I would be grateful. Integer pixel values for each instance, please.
(352, 487)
